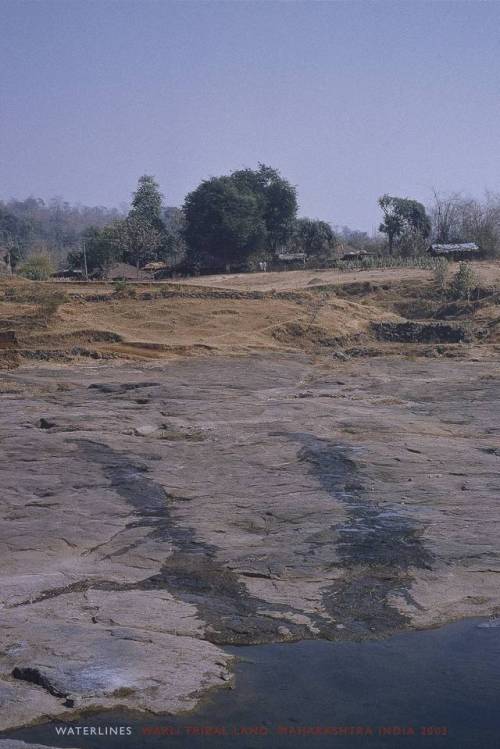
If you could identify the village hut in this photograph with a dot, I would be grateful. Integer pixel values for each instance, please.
(458, 251)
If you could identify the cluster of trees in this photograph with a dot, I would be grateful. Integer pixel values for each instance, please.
(32, 226)
(231, 220)
(356, 240)
(148, 232)
(32, 229)
(226, 221)
(458, 219)
(451, 219)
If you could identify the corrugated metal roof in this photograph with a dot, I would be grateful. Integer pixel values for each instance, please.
(464, 247)
(292, 256)
(155, 265)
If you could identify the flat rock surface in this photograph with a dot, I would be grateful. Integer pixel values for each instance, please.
(153, 514)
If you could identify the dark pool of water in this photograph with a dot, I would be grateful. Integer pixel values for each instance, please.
(446, 679)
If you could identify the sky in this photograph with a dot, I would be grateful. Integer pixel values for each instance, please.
(349, 100)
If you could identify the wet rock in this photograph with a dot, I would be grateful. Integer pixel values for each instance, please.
(33, 676)
(44, 423)
(144, 650)
(120, 387)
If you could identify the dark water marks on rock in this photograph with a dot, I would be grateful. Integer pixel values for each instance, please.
(377, 545)
(190, 570)
(375, 550)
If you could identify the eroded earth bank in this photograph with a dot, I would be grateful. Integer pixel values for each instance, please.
(154, 513)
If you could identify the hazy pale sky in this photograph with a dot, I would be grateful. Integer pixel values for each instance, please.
(348, 99)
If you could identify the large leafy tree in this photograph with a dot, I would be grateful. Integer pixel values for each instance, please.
(223, 221)
(403, 216)
(228, 218)
(314, 237)
(139, 239)
(277, 199)
(173, 246)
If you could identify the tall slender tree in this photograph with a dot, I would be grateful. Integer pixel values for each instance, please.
(402, 215)
(147, 201)
(143, 229)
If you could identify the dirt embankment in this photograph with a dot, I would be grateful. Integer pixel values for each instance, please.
(363, 314)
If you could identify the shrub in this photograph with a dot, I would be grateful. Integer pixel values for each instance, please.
(464, 281)
(386, 261)
(123, 289)
(440, 273)
(37, 268)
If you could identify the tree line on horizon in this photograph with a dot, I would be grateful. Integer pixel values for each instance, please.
(236, 220)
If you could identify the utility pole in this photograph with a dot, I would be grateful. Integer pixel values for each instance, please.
(85, 261)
